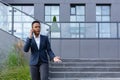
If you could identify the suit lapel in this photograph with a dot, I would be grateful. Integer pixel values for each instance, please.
(35, 43)
(40, 42)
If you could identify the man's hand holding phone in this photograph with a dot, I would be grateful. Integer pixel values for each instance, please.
(31, 33)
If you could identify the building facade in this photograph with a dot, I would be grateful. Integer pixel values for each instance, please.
(85, 28)
(65, 6)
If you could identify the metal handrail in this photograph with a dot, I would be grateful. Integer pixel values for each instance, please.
(86, 22)
(97, 37)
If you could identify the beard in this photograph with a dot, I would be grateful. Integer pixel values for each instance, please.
(37, 33)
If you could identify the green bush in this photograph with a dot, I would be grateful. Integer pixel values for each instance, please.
(15, 58)
(16, 67)
(12, 59)
(54, 19)
(15, 73)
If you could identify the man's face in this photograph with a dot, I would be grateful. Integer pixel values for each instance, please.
(36, 28)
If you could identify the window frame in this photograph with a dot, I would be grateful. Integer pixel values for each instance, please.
(51, 5)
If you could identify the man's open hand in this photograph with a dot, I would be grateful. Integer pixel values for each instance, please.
(57, 59)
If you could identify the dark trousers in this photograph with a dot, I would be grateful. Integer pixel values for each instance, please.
(39, 72)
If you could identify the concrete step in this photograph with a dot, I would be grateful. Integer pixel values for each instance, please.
(84, 75)
(90, 64)
(90, 60)
(82, 69)
(84, 79)
(79, 69)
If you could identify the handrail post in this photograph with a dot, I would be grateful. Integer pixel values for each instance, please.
(12, 31)
(117, 30)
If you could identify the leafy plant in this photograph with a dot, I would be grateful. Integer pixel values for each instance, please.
(54, 27)
(16, 66)
(16, 73)
(54, 19)
(16, 56)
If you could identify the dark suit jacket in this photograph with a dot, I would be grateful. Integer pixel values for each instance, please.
(39, 55)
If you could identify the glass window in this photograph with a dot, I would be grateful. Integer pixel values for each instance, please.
(50, 12)
(17, 13)
(18, 18)
(80, 18)
(107, 30)
(105, 18)
(18, 7)
(21, 19)
(4, 17)
(55, 30)
(98, 10)
(27, 19)
(54, 10)
(77, 13)
(98, 18)
(72, 10)
(18, 29)
(74, 29)
(57, 18)
(28, 9)
(105, 10)
(80, 10)
(88, 30)
(119, 29)
(70, 30)
(26, 29)
(48, 18)
(73, 18)
(47, 10)
(103, 13)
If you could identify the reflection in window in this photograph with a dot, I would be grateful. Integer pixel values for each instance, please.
(22, 22)
(74, 30)
(108, 30)
(21, 17)
(50, 12)
(4, 17)
(55, 30)
(65, 30)
(119, 30)
(88, 30)
(104, 29)
(77, 13)
(103, 13)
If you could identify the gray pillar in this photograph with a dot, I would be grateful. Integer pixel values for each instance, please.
(115, 12)
(90, 12)
(64, 12)
(39, 11)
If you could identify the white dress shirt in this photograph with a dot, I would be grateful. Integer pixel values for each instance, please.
(37, 40)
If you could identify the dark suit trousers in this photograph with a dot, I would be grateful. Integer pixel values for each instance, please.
(39, 72)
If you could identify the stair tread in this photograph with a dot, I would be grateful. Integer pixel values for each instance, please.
(84, 78)
(79, 69)
(85, 67)
(82, 72)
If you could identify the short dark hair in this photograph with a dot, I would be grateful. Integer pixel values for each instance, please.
(35, 22)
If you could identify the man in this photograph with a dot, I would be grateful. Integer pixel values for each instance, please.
(40, 47)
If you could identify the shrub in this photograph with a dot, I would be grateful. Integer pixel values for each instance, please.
(16, 67)
(54, 19)
(15, 73)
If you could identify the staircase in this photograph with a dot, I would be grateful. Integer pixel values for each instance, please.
(77, 69)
